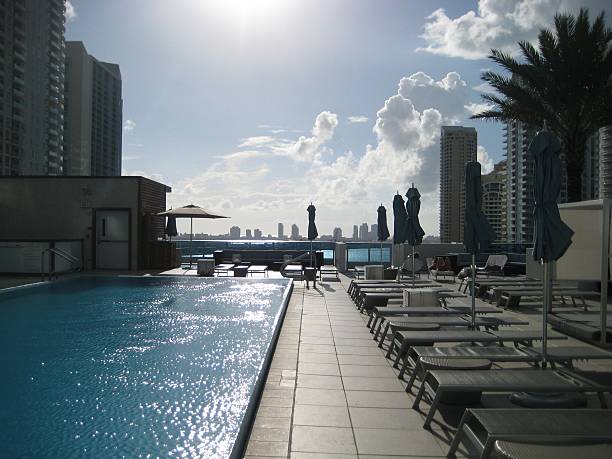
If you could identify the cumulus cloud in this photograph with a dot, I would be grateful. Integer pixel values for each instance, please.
(70, 12)
(280, 176)
(450, 93)
(357, 119)
(473, 108)
(129, 126)
(495, 24)
(483, 158)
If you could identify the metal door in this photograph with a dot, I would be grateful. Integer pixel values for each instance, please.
(112, 239)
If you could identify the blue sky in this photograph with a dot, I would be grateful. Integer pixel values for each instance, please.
(255, 108)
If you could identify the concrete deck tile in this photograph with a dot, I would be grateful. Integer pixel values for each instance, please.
(319, 381)
(376, 384)
(317, 415)
(327, 397)
(267, 448)
(366, 360)
(378, 399)
(274, 412)
(323, 440)
(263, 422)
(359, 350)
(397, 442)
(386, 418)
(314, 357)
(300, 455)
(365, 341)
(372, 371)
(270, 434)
(316, 340)
(319, 348)
(329, 369)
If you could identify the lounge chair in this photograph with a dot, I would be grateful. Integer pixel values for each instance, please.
(328, 270)
(397, 324)
(441, 382)
(223, 268)
(511, 298)
(372, 299)
(380, 313)
(564, 355)
(442, 267)
(408, 339)
(553, 426)
(494, 266)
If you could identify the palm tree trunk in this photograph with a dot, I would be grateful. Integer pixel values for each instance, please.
(574, 161)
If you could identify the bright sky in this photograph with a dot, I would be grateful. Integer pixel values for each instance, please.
(255, 108)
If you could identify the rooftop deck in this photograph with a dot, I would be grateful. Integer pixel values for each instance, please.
(332, 393)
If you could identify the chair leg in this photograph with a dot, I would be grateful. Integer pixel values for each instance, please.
(433, 407)
(383, 335)
(457, 438)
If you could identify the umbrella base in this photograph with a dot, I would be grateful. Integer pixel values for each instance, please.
(556, 400)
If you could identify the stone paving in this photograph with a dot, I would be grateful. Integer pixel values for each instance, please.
(331, 393)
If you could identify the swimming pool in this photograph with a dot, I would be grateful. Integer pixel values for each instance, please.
(116, 366)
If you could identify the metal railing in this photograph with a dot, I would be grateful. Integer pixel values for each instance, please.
(61, 253)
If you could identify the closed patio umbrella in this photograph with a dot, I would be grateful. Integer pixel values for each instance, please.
(171, 230)
(551, 236)
(191, 211)
(477, 232)
(399, 220)
(312, 228)
(414, 231)
(383, 229)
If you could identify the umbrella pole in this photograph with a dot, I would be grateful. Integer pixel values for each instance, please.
(473, 291)
(546, 284)
(311, 264)
(413, 280)
(190, 243)
(381, 260)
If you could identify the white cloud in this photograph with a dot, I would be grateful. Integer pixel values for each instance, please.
(70, 13)
(269, 176)
(483, 158)
(129, 126)
(496, 24)
(450, 92)
(357, 119)
(473, 108)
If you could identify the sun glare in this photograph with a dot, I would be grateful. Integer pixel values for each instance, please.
(244, 12)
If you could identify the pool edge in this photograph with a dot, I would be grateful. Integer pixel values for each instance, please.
(242, 439)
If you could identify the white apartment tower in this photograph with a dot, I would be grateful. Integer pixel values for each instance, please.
(31, 87)
(93, 114)
(494, 199)
(457, 146)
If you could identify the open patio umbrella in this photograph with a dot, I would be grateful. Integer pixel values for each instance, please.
(477, 232)
(551, 236)
(171, 230)
(383, 229)
(312, 228)
(191, 211)
(414, 232)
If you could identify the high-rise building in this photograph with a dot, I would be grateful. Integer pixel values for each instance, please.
(494, 199)
(457, 147)
(355, 232)
(605, 162)
(363, 232)
(93, 117)
(257, 233)
(281, 231)
(337, 234)
(234, 232)
(295, 232)
(31, 87)
(248, 234)
(520, 171)
(374, 232)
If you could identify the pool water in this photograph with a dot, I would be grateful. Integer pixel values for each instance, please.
(110, 366)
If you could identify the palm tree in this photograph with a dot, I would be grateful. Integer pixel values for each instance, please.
(566, 82)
